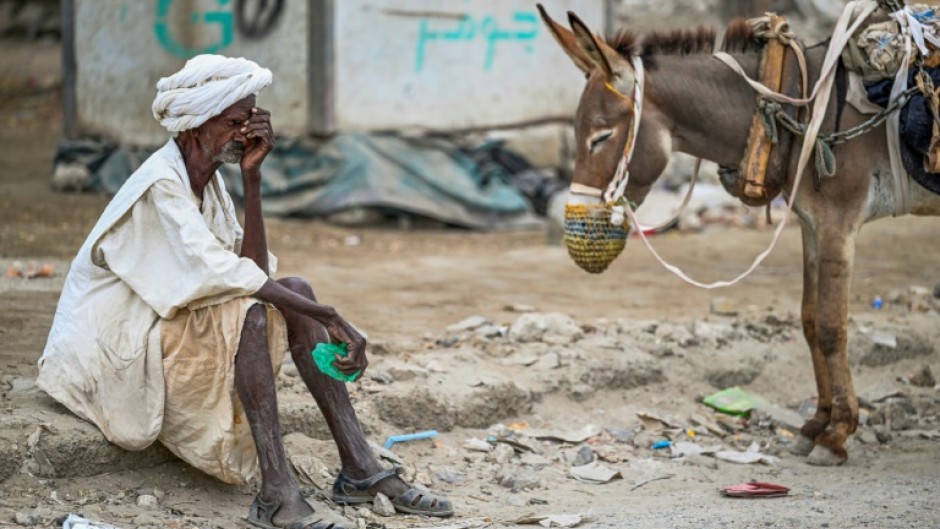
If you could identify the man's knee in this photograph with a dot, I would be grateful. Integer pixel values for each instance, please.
(298, 285)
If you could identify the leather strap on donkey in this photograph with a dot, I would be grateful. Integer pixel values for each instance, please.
(763, 170)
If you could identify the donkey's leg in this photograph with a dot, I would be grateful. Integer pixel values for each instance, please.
(836, 255)
(818, 423)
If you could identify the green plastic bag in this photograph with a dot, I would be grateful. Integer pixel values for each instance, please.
(323, 356)
(734, 401)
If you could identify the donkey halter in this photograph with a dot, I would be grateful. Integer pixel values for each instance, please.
(616, 188)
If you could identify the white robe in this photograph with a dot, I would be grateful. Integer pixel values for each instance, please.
(154, 252)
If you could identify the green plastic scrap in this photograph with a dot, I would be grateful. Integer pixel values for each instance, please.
(734, 401)
(325, 353)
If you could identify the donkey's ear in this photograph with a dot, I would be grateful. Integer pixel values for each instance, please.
(565, 38)
(611, 62)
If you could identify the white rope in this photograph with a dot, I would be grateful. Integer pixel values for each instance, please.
(618, 185)
(206, 86)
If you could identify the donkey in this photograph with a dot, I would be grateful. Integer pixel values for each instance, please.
(697, 105)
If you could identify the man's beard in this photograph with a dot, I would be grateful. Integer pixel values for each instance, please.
(232, 152)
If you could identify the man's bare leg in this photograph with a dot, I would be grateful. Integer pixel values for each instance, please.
(357, 459)
(254, 381)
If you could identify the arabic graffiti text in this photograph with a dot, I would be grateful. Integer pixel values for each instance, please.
(525, 28)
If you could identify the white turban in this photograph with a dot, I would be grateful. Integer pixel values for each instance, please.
(205, 87)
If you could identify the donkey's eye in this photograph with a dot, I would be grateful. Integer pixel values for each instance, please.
(599, 138)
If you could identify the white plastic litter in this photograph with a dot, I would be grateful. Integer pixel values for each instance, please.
(77, 522)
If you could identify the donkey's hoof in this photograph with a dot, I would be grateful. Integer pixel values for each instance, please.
(803, 446)
(824, 457)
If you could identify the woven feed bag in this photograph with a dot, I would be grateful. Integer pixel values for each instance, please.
(593, 242)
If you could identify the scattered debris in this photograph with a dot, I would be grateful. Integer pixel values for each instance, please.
(749, 456)
(468, 324)
(31, 271)
(597, 473)
(572, 437)
(754, 489)
(923, 378)
(552, 520)
(585, 456)
(77, 522)
(647, 481)
(403, 438)
(27, 518)
(477, 445)
(734, 401)
(553, 327)
(518, 478)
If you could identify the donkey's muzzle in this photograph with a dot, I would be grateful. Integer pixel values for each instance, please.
(592, 240)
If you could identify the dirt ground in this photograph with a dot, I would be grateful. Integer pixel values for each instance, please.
(642, 342)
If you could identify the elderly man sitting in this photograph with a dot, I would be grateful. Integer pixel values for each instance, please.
(169, 327)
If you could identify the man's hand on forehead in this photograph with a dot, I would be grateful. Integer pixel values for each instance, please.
(259, 140)
(258, 122)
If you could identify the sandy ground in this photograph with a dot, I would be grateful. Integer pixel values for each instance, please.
(404, 288)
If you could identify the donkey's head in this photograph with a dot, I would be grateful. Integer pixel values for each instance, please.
(605, 131)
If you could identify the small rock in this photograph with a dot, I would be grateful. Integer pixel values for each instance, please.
(27, 518)
(585, 456)
(381, 377)
(447, 342)
(490, 331)
(551, 327)
(722, 306)
(477, 445)
(867, 436)
(548, 361)
(518, 478)
(924, 378)
(884, 436)
(895, 415)
(936, 291)
(778, 416)
(147, 520)
(514, 500)
(405, 373)
(382, 506)
(671, 333)
(534, 460)
(147, 501)
(450, 476)
(519, 307)
(622, 435)
(713, 333)
(501, 454)
(920, 299)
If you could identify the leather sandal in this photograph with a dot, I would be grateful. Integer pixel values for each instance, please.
(261, 514)
(348, 491)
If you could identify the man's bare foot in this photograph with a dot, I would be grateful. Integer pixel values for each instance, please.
(293, 507)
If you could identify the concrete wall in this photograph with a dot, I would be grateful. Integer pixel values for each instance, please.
(348, 65)
(123, 47)
(452, 64)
